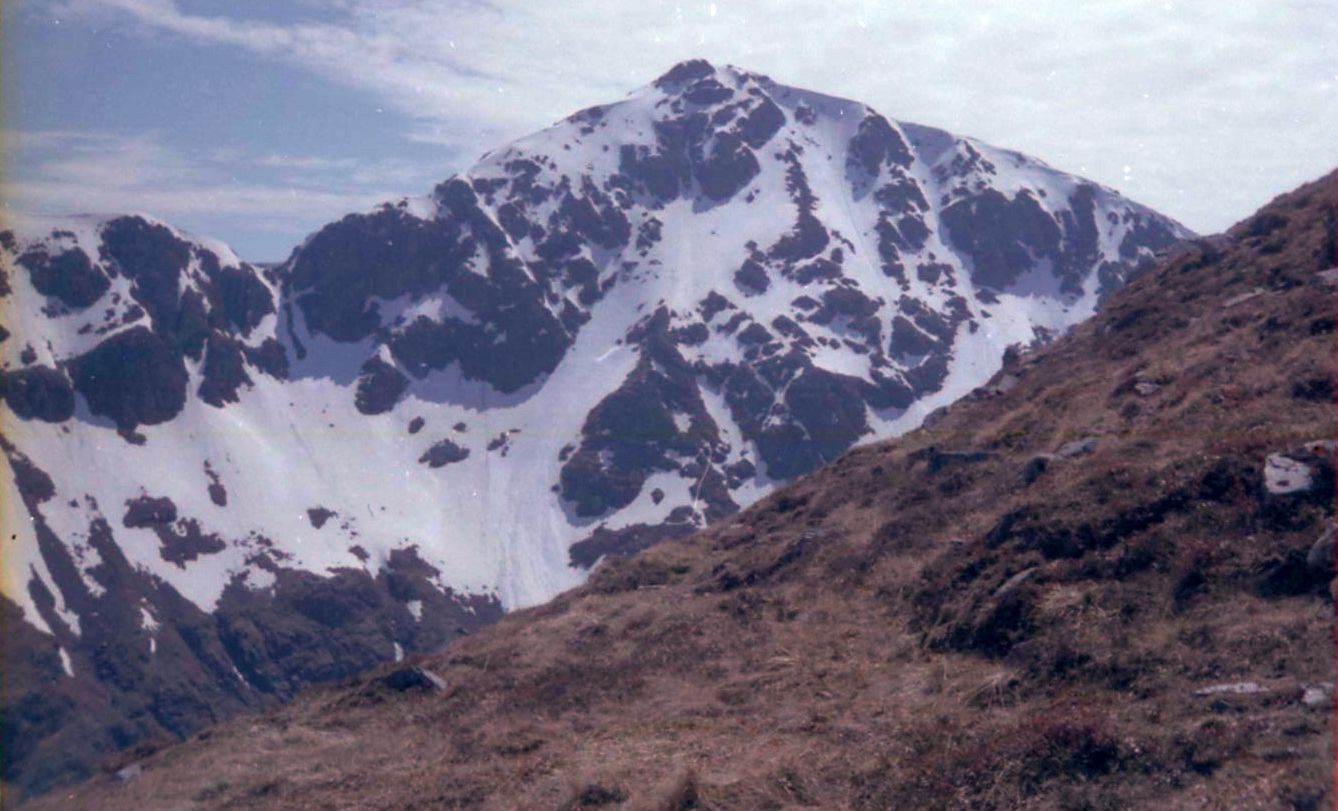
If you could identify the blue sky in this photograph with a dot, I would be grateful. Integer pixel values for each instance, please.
(256, 122)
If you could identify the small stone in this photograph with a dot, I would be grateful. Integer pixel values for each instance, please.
(129, 773)
(1078, 447)
(1329, 277)
(1318, 697)
(1016, 580)
(1284, 475)
(1242, 298)
(1146, 388)
(1244, 688)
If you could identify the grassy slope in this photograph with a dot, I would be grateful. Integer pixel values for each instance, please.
(847, 644)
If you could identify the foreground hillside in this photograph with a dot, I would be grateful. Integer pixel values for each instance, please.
(1095, 584)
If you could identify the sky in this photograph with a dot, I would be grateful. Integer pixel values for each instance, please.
(257, 121)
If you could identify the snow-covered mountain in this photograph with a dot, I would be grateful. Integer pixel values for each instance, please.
(224, 482)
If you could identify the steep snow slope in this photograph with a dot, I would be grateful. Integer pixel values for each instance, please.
(599, 336)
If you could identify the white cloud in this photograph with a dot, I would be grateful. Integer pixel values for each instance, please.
(1212, 106)
(69, 172)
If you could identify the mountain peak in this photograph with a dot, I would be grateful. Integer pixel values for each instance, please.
(685, 72)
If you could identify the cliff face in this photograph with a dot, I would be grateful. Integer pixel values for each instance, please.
(1102, 580)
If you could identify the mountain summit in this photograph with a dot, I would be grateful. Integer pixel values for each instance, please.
(228, 482)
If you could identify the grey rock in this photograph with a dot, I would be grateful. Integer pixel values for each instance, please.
(1317, 697)
(1146, 388)
(1016, 580)
(1078, 447)
(1242, 298)
(1244, 688)
(1284, 475)
(1329, 277)
(129, 773)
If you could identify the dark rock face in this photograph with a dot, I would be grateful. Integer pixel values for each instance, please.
(154, 259)
(184, 541)
(38, 393)
(633, 432)
(628, 540)
(827, 406)
(68, 276)
(442, 453)
(133, 377)
(512, 338)
(137, 376)
(224, 370)
(379, 387)
(1000, 235)
(148, 511)
(876, 144)
(383, 255)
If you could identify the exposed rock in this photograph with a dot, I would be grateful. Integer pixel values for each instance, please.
(1242, 298)
(380, 386)
(1078, 447)
(319, 515)
(1284, 475)
(133, 377)
(68, 276)
(128, 773)
(147, 511)
(38, 392)
(1244, 688)
(1034, 468)
(1317, 697)
(1016, 580)
(1146, 388)
(442, 453)
(413, 677)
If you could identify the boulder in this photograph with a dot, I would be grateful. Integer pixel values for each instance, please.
(1284, 475)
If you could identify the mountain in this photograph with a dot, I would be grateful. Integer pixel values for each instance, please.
(1104, 580)
(1109, 586)
(229, 481)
